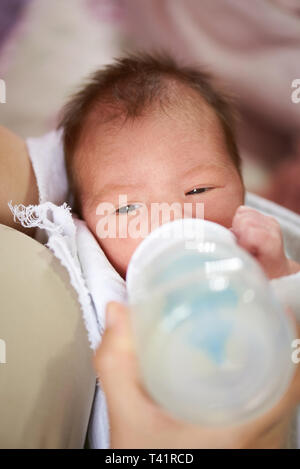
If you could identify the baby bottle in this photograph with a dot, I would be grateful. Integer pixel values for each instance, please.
(213, 343)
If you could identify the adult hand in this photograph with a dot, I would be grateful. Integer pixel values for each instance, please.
(136, 421)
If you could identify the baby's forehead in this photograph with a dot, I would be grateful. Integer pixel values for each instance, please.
(187, 119)
(173, 133)
(139, 149)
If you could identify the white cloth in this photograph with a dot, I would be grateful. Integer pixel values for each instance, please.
(76, 248)
(90, 271)
(91, 274)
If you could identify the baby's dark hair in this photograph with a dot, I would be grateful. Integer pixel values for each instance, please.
(128, 88)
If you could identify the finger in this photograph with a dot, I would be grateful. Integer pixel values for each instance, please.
(246, 215)
(262, 244)
(248, 240)
(117, 344)
(258, 234)
(243, 218)
(245, 210)
(117, 366)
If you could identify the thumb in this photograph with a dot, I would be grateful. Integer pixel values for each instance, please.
(115, 360)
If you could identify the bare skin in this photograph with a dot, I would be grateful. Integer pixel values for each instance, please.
(18, 181)
(147, 156)
(144, 161)
(261, 236)
(136, 419)
(157, 159)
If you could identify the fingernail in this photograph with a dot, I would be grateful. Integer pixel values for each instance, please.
(243, 207)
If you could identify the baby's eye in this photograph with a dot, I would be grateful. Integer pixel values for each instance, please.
(127, 208)
(198, 190)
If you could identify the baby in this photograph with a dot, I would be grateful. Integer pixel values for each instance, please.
(153, 132)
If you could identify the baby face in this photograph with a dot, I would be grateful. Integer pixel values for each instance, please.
(158, 159)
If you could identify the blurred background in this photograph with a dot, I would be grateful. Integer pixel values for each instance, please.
(48, 47)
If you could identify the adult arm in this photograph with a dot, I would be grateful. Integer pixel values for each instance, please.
(17, 179)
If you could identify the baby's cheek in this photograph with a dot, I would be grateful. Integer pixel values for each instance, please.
(222, 206)
(119, 252)
(111, 236)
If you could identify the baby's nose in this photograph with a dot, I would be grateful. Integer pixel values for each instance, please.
(166, 211)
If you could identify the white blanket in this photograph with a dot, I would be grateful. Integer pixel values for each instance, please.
(91, 274)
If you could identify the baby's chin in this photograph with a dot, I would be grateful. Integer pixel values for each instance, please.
(123, 272)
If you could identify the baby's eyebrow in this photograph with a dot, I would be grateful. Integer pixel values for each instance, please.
(108, 189)
(203, 167)
(111, 188)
